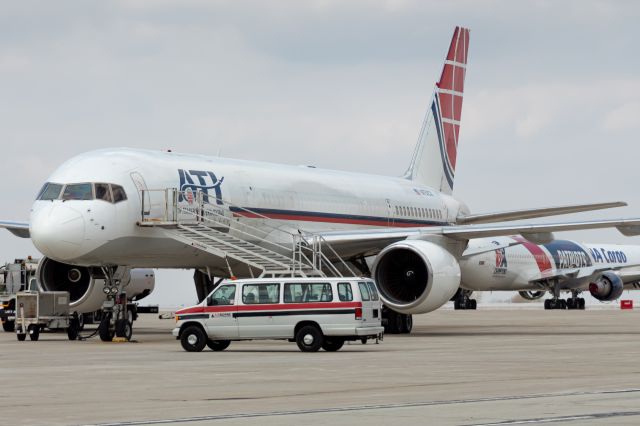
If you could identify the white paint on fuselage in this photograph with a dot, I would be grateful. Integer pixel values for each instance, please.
(86, 232)
(482, 272)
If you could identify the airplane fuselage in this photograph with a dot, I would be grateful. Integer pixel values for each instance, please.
(526, 265)
(98, 232)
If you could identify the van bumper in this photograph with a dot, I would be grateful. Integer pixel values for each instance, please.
(176, 332)
(369, 331)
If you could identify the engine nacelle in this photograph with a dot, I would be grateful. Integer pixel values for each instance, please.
(416, 276)
(607, 288)
(85, 285)
(531, 294)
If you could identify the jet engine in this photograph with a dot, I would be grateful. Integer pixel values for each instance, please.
(531, 294)
(607, 288)
(86, 285)
(416, 276)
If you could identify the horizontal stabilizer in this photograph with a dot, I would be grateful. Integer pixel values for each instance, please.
(19, 229)
(533, 213)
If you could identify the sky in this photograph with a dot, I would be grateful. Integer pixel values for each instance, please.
(550, 114)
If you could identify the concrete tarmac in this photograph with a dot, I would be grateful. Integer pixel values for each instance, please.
(516, 366)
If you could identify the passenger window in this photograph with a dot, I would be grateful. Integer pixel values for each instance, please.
(225, 295)
(118, 193)
(50, 191)
(373, 291)
(103, 192)
(344, 292)
(260, 293)
(364, 291)
(307, 293)
(78, 191)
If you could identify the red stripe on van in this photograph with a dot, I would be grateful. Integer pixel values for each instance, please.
(270, 307)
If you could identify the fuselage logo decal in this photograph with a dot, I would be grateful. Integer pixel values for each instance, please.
(567, 254)
(192, 181)
(601, 255)
(501, 260)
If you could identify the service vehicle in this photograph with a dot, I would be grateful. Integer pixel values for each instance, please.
(313, 312)
(15, 277)
(37, 311)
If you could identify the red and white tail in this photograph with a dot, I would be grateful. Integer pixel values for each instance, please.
(434, 159)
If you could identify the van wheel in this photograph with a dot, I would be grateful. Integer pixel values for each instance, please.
(332, 345)
(309, 339)
(218, 345)
(193, 339)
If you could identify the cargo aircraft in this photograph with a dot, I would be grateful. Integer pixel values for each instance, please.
(604, 270)
(106, 211)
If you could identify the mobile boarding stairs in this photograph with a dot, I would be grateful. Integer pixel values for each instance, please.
(234, 233)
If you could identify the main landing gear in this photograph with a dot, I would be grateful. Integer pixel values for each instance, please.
(462, 300)
(573, 302)
(395, 322)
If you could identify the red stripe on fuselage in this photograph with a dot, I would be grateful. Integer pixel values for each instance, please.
(544, 263)
(269, 307)
(350, 221)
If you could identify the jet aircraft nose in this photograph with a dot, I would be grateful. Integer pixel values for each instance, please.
(57, 230)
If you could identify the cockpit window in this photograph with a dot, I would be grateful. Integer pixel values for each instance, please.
(103, 192)
(50, 191)
(78, 191)
(118, 193)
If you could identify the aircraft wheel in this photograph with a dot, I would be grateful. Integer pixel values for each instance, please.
(547, 304)
(332, 345)
(124, 329)
(473, 304)
(9, 326)
(571, 303)
(218, 345)
(562, 304)
(21, 337)
(104, 329)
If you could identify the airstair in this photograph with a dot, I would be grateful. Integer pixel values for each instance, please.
(238, 235)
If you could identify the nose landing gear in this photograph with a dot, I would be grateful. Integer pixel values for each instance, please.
(117, 320)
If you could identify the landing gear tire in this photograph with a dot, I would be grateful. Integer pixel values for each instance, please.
(571, 303)
(9, 326)
(332, 345)
(309, 339)
(80, 322)
(218, 345)
(21, 337)
(73, 330)
(104, 329)
(406, 323)
(124, 329)
(193, 339)
(581, 303)
(473, 304)
(34, 332)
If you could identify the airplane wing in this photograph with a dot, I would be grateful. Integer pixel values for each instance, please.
(19, 229)
(534, 213)
(368, 242)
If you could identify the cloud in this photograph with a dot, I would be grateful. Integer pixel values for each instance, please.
(626, 117)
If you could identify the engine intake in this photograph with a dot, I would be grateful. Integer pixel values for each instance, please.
(416, 276)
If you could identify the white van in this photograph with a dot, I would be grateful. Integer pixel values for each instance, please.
(314, 312)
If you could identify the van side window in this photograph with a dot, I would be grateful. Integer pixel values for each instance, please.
(307, 293)
(364, 291)
(224, 295)
(260, 293)
(344, 292)
(373, 290)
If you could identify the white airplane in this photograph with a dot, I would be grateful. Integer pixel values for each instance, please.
(604, 270)
(130, 208)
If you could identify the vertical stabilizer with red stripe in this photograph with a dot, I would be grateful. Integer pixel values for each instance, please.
(434, 159)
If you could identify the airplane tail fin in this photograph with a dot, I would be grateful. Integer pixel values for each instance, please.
(434, 158)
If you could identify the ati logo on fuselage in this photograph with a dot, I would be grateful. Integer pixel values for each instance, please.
(501, 260)
(192, 181)
(601, 255)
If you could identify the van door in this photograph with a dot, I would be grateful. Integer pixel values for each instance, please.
(222, 308)
(368, 304)
(259, 302)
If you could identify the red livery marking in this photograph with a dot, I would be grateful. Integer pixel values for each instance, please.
(544, 263)
(270, 307)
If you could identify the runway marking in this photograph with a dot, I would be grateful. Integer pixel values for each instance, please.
(595, 416)
(404, 405)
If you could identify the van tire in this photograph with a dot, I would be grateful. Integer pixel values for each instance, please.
(218, 345)
(309, 339)
(193, 339)
(332, 345)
